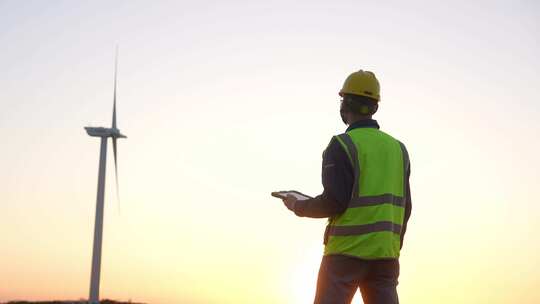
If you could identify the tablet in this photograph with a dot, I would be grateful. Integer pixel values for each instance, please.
(283, 195)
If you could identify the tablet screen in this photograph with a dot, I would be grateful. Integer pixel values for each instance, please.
(298, 195)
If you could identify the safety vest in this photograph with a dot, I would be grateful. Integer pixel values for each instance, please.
(370, 227)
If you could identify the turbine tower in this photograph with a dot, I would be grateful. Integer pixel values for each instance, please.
(104, 134)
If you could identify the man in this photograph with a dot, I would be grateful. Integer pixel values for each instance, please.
(365, 174)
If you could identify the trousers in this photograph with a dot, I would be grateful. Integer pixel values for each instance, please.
(340, 276)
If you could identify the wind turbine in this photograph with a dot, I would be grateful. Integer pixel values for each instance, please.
(104, 134)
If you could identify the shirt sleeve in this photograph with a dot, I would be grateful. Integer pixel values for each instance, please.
(408, 206)
(337, 180)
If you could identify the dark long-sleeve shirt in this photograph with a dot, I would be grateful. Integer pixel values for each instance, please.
(338, 180)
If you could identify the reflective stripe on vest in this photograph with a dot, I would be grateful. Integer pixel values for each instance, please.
(363, 229)
(370, 227)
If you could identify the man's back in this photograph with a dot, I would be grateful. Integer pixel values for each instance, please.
(370, 227)
(379, 156)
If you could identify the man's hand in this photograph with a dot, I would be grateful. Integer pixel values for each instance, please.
(290, 202)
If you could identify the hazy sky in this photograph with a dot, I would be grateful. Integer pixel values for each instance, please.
(224, 102)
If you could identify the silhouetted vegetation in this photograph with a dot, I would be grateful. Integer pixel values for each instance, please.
(72, 302)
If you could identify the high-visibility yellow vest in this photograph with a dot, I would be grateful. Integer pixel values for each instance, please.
(371, 225)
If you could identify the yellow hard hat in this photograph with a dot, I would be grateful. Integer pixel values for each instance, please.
(363, 83)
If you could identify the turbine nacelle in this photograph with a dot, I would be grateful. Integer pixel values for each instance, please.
(104, 132)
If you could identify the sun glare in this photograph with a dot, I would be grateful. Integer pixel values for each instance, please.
(303, 278)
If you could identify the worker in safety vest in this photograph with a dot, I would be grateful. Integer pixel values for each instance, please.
(365, 174)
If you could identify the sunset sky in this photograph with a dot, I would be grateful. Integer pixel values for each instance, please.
(226, 101)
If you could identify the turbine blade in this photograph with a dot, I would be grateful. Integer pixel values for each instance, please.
(114, 98)
(115, 150)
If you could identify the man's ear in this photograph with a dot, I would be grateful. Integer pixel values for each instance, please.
(375, 108)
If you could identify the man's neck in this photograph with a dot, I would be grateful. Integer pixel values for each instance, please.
(363, 123)
(361, 118)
